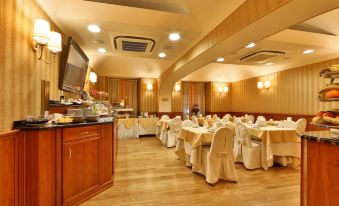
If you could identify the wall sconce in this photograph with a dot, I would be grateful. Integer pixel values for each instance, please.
(260, 85)
(223, 89)
(42, 36)
(93, 77)
(177, 87)
(265, 84)
(149, 87)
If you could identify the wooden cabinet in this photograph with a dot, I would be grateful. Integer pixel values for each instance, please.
(56, 166)
(319, 173)
(8, 168)
(80, 169)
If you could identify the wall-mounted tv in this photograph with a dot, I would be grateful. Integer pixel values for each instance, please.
(73, 68)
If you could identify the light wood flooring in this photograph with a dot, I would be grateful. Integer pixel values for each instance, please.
(150, 174)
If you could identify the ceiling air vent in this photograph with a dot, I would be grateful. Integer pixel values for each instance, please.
(134, 44)
(262, 56)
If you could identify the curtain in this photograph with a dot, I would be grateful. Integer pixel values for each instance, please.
(193, 93)
(123, 89)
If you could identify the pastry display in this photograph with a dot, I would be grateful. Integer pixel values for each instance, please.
(327, 118)
(330, 92)
(64, 120)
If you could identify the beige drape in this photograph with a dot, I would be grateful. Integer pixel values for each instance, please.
(193, 93)
(124, 89)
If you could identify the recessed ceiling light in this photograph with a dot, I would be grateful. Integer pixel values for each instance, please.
(220, 59)
(93, 28)
(174, 36)
(162, 55)
(102, 50)
(269, 63)
(308, 51)
(250, 45)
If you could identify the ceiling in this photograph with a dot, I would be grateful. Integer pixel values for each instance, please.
(153, 19)
(320, 34)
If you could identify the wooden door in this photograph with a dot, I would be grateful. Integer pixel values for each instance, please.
(80, 168)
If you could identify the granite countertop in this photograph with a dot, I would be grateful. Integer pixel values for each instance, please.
(22, 125)
(322, 136)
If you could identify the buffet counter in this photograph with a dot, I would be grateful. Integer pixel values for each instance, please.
(319, 168)
(64, 164)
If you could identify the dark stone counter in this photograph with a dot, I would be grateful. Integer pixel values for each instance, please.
(22, 125)
(322, 136)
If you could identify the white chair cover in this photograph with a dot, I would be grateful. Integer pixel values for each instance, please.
(187, 123)
(180, 145)
(158, 130)
(217, 160)
(238, 141)
(186, 117)
(199, 115)
(225, 118)
(178, 117)
(215, 117)
(208, 117)
(261, 121)
(251, 152)
(250, 118)
(164, 117)
(195, 120)
(175, 126)
(301, 125)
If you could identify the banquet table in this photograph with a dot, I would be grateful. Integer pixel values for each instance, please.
(128, 128)
(147, 125)
(275, 141)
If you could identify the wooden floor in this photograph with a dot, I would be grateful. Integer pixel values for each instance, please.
(150, 174)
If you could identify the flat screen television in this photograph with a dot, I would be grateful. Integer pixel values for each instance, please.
(74, 67)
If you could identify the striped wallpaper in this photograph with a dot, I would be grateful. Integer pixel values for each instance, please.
(292, 91)
(21, 71)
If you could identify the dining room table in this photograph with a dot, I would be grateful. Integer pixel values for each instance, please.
(275, 141)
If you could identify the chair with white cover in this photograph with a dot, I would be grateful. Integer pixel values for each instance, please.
(186, 117)
(163, 117)
(250, 118)
(301, 125)
(179, 117)
(238, 141)
(208, 117)
(225, 118)
(195, 120)
(200, 115)
(180, 145)
(251, 151)
(215, 117)
(261, 121)
(217, 160)
(169, 140)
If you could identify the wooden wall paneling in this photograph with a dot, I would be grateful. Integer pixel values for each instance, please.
(21, 72)
(9, 186)
(292, 91)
